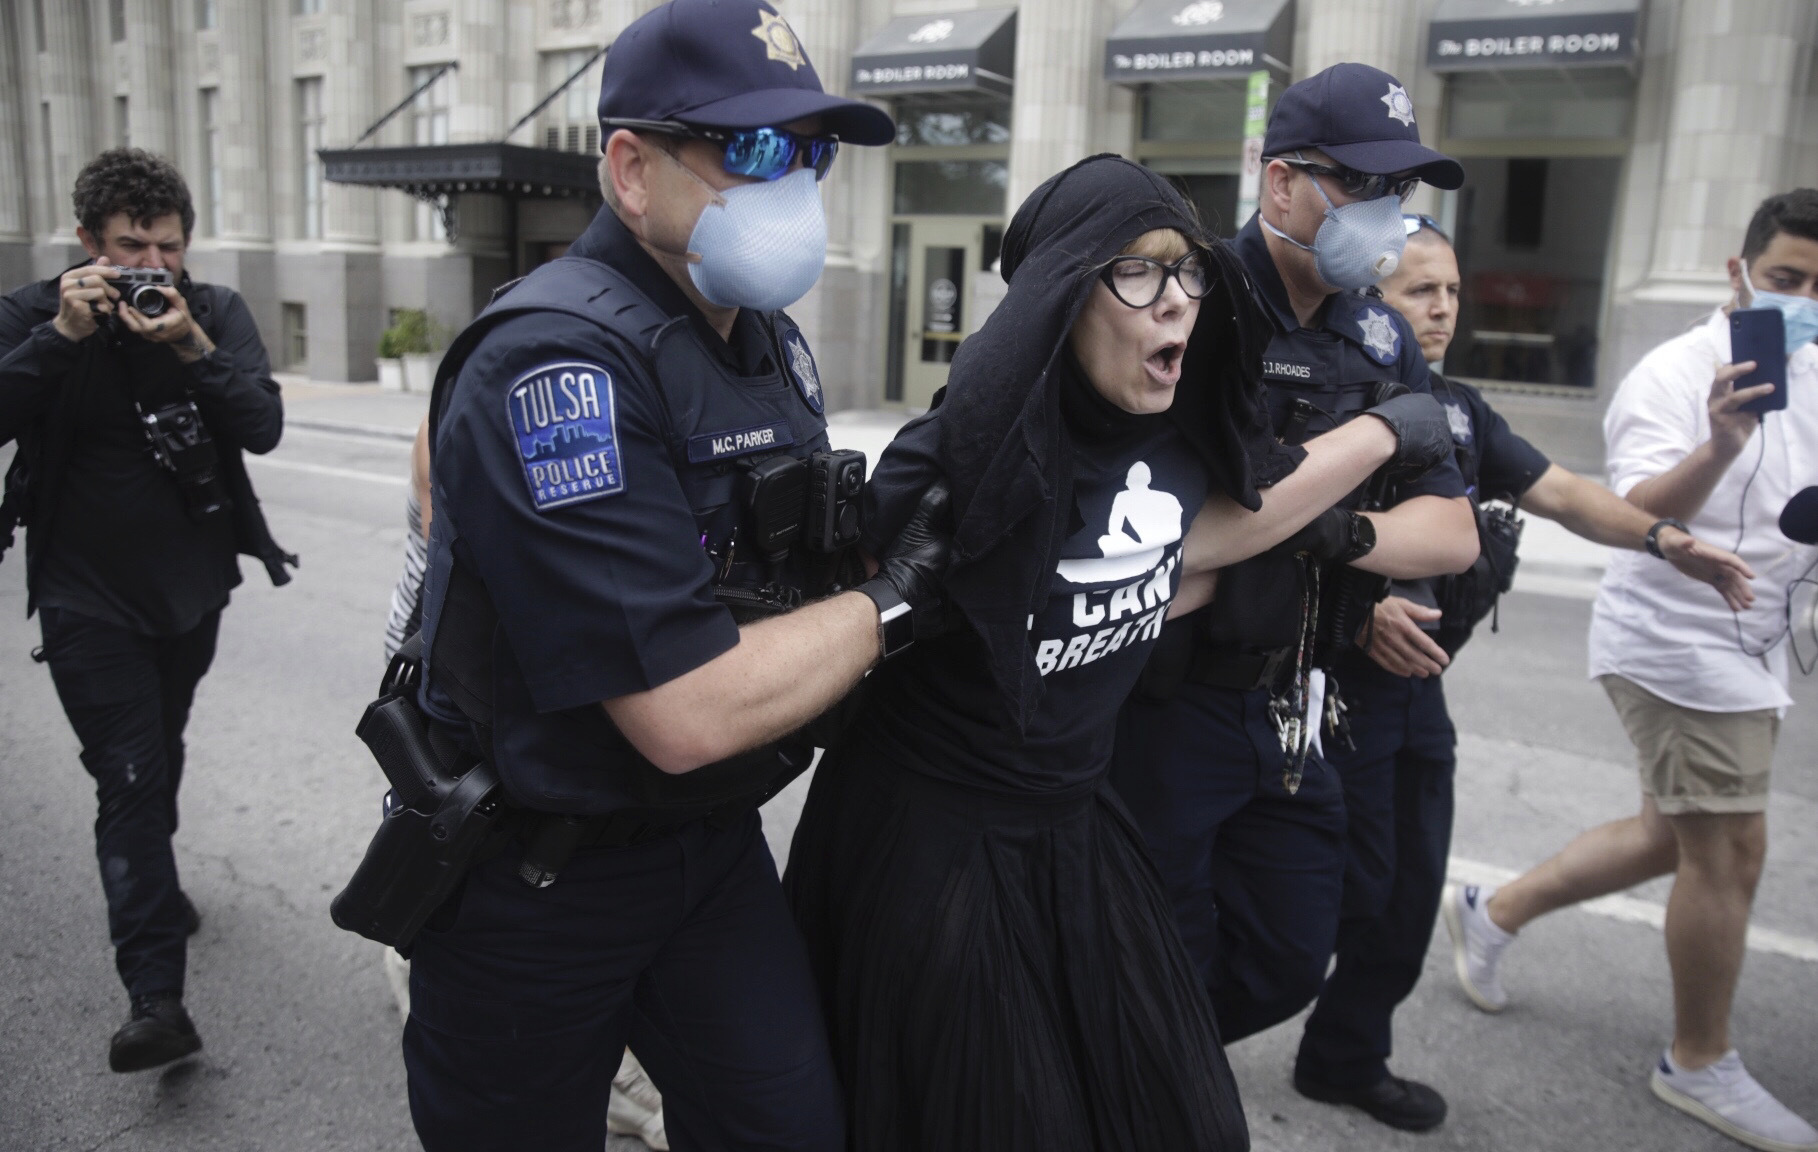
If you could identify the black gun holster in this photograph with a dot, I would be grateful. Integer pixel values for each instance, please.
(443, 809)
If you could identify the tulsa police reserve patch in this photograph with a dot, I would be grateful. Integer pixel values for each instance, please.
(568, 433)
(801, 366)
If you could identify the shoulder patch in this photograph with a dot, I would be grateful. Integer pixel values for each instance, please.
(1378, 334)
(567, 429)
(802, 369)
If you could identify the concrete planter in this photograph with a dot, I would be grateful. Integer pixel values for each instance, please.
(391, 375)
(420, 371)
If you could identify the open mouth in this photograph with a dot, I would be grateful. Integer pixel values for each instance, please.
(1164, 362)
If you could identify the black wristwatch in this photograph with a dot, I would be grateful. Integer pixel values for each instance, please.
(1653, 535)
(1360, 540)
(895, 619)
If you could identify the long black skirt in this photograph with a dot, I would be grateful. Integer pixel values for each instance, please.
(1001, 973)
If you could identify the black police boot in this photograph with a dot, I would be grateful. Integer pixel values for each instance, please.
(1405, 1104)
(192, 919)
(159, 1032)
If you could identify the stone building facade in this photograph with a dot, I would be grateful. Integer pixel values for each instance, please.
(1614, 150)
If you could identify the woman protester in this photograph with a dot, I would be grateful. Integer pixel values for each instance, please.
(997, 959)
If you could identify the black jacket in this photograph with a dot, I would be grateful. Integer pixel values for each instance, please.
(43, 383)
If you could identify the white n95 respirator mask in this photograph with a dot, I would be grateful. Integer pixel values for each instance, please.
(760, 246)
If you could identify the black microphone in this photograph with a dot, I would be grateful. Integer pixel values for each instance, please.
(1799, 519)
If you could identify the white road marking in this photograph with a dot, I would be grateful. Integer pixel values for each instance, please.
(1630, 910)
(399, 480)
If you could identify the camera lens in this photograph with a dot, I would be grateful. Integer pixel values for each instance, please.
(148, 301)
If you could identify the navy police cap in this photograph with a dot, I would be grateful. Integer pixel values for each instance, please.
(724, 64)
(1362, 118)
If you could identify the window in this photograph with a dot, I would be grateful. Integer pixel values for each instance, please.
(53, 196)
(305, 7)
(571, 122)
(296, 337)
(309, 138)
(952, 121)
(122, 133)
(211, 159)
(955, 154)
(116, 19)
(208, 14)
(429, 125)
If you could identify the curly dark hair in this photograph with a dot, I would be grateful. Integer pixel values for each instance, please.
(1795, 213)
(131, 180)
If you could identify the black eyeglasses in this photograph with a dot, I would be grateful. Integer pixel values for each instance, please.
(766, 153)
(1139, 281)
(1355, 184)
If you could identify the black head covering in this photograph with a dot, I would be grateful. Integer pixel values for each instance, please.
(1005, 447)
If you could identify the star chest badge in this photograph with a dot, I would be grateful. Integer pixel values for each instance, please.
(779, 40)
(801, 364)
(1379, 335)
(1400, 107)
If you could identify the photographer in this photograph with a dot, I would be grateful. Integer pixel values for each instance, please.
(1700, 686)
(131, 400)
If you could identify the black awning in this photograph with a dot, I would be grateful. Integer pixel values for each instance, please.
(428, 170)
(950, 51)
(1196, 39)
(1468, 35)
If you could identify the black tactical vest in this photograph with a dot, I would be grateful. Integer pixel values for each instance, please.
(716, 424)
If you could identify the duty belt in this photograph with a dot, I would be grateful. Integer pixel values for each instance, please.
(1239, 671)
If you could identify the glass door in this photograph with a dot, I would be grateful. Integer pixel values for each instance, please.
(944, 256)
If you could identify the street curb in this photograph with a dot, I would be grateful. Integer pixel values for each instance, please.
(350, 428)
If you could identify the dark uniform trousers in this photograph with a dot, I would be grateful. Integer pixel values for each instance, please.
(1398, 796)
(127, 696)
(522, 1003)
(1255, 875)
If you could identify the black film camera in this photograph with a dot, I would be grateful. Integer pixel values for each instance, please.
(182, 446)
(138, 288)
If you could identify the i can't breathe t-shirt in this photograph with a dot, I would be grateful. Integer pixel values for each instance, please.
(937, 707)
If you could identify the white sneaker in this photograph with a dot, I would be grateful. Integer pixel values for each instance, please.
(635, 1107)
(1477, 944)
(1727, 1098)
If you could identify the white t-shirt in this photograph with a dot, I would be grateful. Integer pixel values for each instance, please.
(1673, 636)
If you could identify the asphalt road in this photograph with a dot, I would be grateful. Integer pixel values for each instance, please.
(302, 1038)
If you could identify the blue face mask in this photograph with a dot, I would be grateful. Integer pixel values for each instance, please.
(1799, 312)
(760, 246)
(1357, 244)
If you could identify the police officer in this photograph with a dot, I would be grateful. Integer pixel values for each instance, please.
(1218, 754)
(625, 443)
(1398, 771)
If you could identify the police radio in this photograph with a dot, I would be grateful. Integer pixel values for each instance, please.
(813, 501)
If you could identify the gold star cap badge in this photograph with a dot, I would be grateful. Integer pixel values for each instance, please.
(779, 40)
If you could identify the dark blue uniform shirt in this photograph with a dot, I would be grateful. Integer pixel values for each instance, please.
(551, 465)
(1355, 339)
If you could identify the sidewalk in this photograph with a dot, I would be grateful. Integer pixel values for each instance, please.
(1553, 561)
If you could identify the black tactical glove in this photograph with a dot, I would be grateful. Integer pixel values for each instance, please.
(1331, 535)
(1423, 434)
(907, 587)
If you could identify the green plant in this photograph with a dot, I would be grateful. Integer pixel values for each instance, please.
(411, 331)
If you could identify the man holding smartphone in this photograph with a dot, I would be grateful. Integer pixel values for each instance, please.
(1700, 689)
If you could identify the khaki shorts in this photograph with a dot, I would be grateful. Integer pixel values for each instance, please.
(1694, 761)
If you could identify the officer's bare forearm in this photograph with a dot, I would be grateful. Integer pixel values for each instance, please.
(1588, 509)
(782, 673)
(1423, 536)
(1225, 532)
(1680, 491)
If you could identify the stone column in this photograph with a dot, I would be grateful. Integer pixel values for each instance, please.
(69, 90)
(843, 317)
(1059, 54)
(15, 176)
(345, 297)
(151, 105)
(1738, 79)
(1384, 34)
